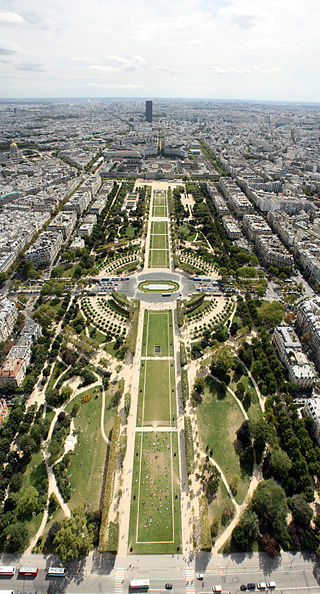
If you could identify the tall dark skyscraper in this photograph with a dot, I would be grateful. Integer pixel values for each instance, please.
(149, 111)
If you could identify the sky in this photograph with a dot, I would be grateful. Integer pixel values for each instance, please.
(237, 49)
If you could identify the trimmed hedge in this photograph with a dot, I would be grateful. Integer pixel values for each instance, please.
(184, 386)
(206, 540)
(113, 537)
(180, 314)
(112, 465)
(183, 354)
(121, 300)
(131, 338)
(188, 444)
(194, 302)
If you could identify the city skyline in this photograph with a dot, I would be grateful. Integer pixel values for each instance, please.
(228, 49)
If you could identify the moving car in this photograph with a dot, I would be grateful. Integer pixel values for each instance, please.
(199, 576)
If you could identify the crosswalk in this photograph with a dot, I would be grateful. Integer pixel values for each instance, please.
(118, 581)
(190, 581)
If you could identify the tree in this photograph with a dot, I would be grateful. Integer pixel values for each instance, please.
(243, 433)
(271, 314)
(234, 483)
(262, 434)
(27, 445)
(16, 538)
(301, 510)
(250, 524)
(270, 504)
(280, 464)
(28, 503)
(74, 539)
(227, 513)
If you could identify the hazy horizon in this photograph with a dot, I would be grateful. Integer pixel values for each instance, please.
(223, 49)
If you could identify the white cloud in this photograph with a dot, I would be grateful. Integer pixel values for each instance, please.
(99, 68)
(31, 67)
(11, 18)
(226, 48)
(128, 64)
(166, 69)
(8, 48)
(82, 59)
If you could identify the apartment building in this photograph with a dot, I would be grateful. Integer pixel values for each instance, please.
(64, 222)
(45, 249)
(254, 225)
(308, 321)
(290, 352)
(312, 409)
(8, 317)
(272, 251)
(231, 227)
(4, 411)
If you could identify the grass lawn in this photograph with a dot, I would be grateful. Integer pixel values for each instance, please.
(155, 520)
(218, 421)
(254, 411)
(157, 399)
(58, 369)
(159, 211)
(88, 463)
(157, 331)
(159, 258)
(159, 242)
(130, 232)
(35, 473)
(159, 228)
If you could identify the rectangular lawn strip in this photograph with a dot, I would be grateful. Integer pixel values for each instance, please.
(159, 211)
(157, 399)
(159, 242)
(159, 258)
(155, 520)
(157, 331)
(219, 420)
(87, 465)
(159, 227)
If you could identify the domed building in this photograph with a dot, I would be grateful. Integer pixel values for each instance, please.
(14, 152)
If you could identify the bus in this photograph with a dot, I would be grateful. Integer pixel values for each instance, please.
(56, 572)
(139, 585)
(29, 571)
(7, 570)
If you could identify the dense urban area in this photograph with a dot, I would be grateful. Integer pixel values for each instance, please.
(159, 346)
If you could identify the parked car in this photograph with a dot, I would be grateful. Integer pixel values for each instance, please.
(271, 585)
(243, 588)
(200, 576)
(251, 586)
(168, 586)
(261, 585)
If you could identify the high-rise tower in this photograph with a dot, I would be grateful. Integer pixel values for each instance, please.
(149, 111)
